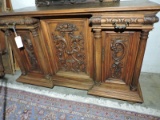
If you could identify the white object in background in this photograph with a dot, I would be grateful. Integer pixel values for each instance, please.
(18, 41)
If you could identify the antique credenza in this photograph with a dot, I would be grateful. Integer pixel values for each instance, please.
(95, 46)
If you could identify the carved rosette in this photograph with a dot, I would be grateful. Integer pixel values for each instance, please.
(118, 49)
(69, 48)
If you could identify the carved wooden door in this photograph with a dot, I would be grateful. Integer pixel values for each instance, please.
(119, 56)
(70, 47)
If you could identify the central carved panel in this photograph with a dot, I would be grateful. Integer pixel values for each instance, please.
(69, 43)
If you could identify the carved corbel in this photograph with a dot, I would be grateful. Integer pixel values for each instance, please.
(95, 20)
(150, 19)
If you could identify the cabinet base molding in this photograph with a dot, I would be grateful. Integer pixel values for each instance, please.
(122, 92)
(78, 83)
(35, 80)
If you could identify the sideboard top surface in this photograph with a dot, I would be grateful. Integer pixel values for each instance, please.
(131, 5)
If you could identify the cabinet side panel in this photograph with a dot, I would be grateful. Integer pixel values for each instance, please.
(28, 52)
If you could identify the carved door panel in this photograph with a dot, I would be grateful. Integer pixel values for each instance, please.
(28, 52)
(70, 46)
(120, 51)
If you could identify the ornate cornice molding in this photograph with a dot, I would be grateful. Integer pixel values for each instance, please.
(18, 21)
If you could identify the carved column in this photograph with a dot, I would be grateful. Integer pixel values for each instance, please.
(97, 55)
(16, 52)
(41, 59)
(139, 60)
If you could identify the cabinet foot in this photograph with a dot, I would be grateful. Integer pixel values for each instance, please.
(122, 92)
(38, 80)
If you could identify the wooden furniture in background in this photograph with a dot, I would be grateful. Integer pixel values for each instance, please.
(2, 51)
(8, 58)
(98, 47)
(5, 5)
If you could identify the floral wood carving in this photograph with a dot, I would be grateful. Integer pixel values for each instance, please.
(69, 48)
(118, 49)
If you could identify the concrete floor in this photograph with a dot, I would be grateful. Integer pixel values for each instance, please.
(149, 82)
(150, 85)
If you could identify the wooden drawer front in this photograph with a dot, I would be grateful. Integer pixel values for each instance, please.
(70, 46)
(28, 52)
(120, 51)
(123, 21)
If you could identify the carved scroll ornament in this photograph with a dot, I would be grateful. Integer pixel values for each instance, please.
(69, 48)
(118, 49)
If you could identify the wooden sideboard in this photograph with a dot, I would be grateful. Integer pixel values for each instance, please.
(98, 47)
